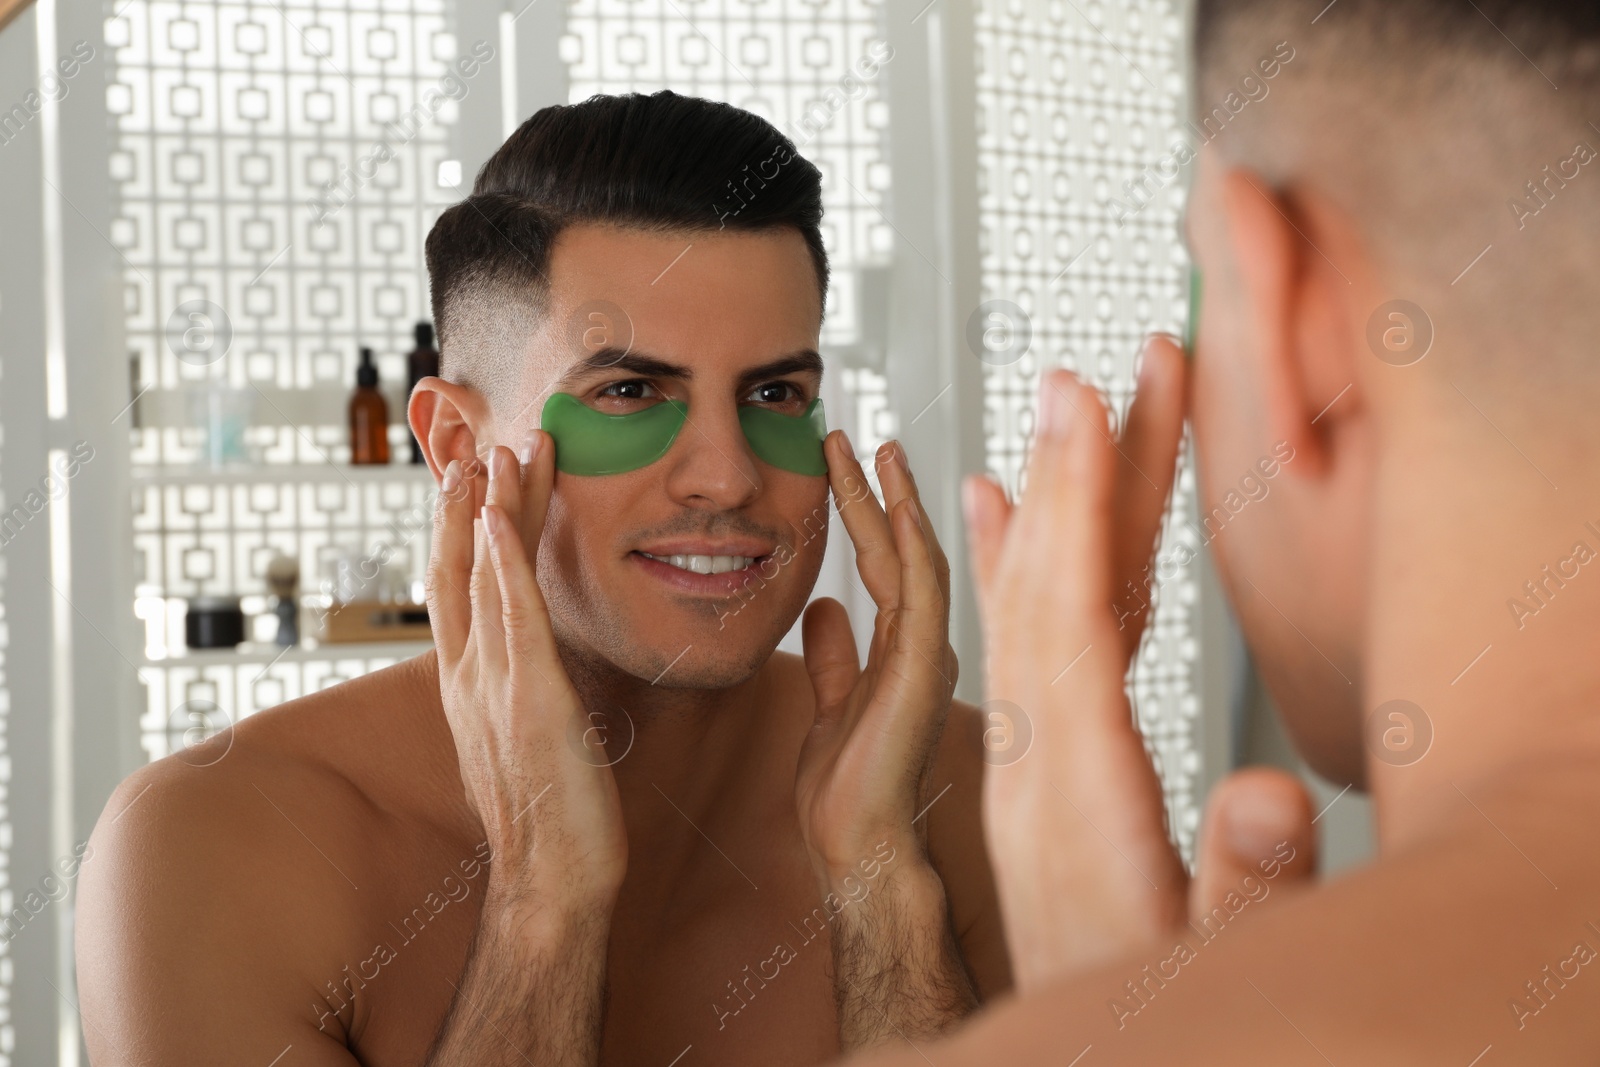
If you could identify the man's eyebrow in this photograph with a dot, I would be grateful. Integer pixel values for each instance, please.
(646, 366)
(805, 361)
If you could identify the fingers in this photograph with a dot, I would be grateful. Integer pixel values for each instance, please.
(450, 564)
(830, 655)
(903, 566)
(1257, 839)
(894, 474)
(1057, 636)
(505, 482)
(1149, 446)
(466, 597)
(1065, 515)
(538, 483)
(502, 503)
(488, 632)
(988, 513)
(522, 629)
(922, 622)
(922, 619)
(1153, 432)
(916, 669)
(878, 559)
(865, 521)
(527, 640)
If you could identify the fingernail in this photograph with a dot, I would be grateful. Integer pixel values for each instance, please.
(497, 464)
(491, 521)
(844, 439)
(1055, 416)
(916, 514)
(1254, 829)
(529, 445)
(452, 476)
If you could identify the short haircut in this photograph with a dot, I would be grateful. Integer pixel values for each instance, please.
(1441, 127)
(1494, 29)
(660, 163)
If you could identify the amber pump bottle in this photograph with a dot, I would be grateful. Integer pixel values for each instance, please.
(423, 362)
(369, 415)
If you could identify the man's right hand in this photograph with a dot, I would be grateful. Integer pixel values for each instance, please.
(553, 819)
(544, 793)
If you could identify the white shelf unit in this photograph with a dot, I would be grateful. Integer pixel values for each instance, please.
(199, 531)
(197, 694)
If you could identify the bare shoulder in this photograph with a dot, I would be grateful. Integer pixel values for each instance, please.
(1478, 928)
(336, 756)
(229, 873)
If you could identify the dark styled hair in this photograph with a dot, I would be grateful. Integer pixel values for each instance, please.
(658, 162)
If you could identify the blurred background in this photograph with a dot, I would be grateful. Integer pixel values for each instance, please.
(208, 497)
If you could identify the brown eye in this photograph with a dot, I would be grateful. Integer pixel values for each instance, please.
(774, 393)
(632, 390)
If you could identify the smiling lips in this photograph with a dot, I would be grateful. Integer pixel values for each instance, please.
(717, 568)
(705, 564)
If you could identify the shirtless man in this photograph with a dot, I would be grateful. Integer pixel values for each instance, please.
(602, 822)
(1432, 541)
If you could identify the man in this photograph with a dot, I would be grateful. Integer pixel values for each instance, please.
(602, 822)
(1419, 591)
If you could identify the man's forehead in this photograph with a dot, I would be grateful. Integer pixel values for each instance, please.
(671, 304)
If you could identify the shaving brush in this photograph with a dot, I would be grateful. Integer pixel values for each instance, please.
(283, 579)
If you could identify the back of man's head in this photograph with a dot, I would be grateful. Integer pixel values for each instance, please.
(1441, 127)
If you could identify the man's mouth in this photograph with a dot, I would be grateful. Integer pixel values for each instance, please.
(705, 564)
(715, 567)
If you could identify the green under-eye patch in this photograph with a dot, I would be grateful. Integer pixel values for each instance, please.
(790, 442)
(589, 442)
(1192, 327)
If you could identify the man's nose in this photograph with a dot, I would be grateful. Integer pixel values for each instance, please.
(710, 464)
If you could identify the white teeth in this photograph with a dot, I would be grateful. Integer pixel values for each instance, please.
(705, 564)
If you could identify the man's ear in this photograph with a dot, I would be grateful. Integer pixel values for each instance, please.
(448, 420)
(1299, 303)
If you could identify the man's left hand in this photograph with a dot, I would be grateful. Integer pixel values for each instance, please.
(863, 770)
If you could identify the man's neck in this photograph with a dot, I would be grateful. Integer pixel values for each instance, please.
(1467, 525)
(685, 759)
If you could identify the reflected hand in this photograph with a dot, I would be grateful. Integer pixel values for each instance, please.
(863, 768)
(551, 813)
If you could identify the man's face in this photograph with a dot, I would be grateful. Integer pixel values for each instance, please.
(717, 320)
(1290, 547)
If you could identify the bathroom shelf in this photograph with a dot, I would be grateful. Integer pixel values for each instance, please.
(278, 473)
(265, 654)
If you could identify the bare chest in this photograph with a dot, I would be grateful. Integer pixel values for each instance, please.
(746, 981)
(749, 984)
